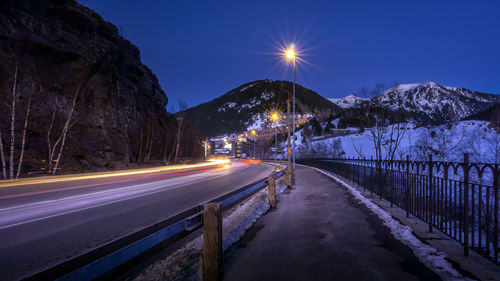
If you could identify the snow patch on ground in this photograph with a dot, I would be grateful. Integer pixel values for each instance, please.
(257, 122)
(185, 263)
(428, 255)
(267, 95)
(474, 137)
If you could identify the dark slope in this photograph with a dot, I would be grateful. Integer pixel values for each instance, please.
(233, 111)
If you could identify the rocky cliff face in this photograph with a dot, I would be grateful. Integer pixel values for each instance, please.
(61, 47)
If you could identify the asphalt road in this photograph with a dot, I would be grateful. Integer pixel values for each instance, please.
(45, 223)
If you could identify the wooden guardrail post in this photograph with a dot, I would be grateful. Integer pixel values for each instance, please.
(287, 178)
(271, 191)
(212, 242)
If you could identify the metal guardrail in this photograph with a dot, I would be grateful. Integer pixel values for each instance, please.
(114, 255)
(461, 199)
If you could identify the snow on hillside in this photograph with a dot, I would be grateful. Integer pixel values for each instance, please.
(447, 142)
(429, 99)
(348, 101)
(257, 122)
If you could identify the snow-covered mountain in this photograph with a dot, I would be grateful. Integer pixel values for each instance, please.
(425, 102)
(247, 107)
(348, 101)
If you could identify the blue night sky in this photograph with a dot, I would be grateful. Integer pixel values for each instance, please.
(202, 49)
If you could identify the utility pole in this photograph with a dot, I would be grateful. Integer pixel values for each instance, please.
(293, 143)
(288, 133)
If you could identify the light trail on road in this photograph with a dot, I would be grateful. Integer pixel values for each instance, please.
(42, 180)
(49, 220)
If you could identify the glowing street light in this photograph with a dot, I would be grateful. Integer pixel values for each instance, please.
(274, 116)
(254, 133)
(290, 55)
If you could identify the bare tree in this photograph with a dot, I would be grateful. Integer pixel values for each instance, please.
(358, 149)
(165, 146)
(446, 141)
(23, 141)
(3, 157)
(409, 137)
(180, 118)
(337, 148)
(149, 145)
(364, 92)
(65, 130)
(393, 140)
(12, 123)
(443, 141)
(493, 138)
(476, 139)
(378, 89)
(377, 136)
(49, 144)
(68, 124)
(493, 146)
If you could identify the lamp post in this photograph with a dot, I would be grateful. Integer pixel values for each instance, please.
(254, 139)
(275, 117)
(291, 55)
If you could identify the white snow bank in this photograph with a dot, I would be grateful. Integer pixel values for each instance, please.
(428, 255)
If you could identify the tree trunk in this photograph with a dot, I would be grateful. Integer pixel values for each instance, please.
(179, 131)
(139, 153)
(12, 126)
(165, 147)
(51, 149)
(3, 157)
(23, 142)
(172, 151)
(65, 129)
(150, 145)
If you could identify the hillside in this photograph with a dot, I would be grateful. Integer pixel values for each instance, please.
(245, 107)
(64, 51)
(348, 101)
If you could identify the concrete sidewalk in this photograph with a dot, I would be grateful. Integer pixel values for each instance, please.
(319, 232)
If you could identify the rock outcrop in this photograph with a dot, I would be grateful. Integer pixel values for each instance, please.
(61, 47)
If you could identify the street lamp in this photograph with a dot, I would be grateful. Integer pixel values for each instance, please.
(291, 55)
(274, 118)
(254, 139)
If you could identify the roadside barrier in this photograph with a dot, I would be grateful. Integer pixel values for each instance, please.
(120, 254)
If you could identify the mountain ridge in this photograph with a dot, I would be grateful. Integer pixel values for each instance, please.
(423, 103)
(246, 106)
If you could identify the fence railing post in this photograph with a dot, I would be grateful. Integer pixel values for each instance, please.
(446, 204)
(371, 176)
(430, 205)
(496, 186)
(271, 195)
(407, 187)
(212, 242)
(379, 180)
(466, 204)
